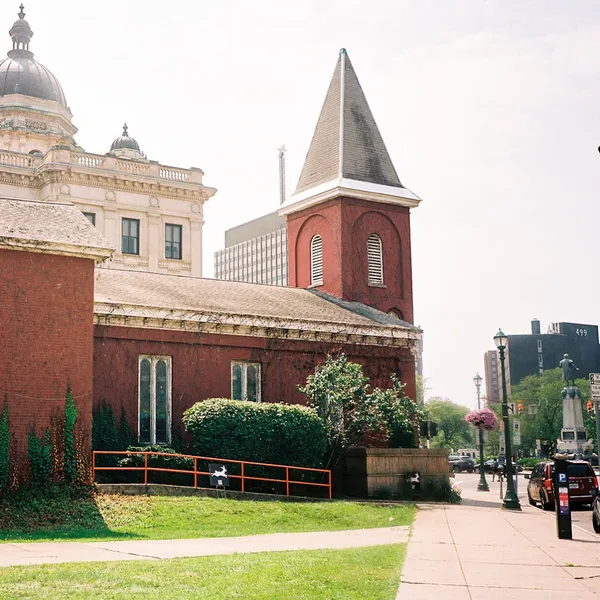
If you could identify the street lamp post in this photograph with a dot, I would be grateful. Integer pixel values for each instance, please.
(482, 486)
(511, 500)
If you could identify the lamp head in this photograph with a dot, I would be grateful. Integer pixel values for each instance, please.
(500, 339)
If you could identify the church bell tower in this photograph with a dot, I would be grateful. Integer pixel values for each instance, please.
(349, 218)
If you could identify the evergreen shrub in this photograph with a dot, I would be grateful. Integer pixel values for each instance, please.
(40, 458)
(4, 447)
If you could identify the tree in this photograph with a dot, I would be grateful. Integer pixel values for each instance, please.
(352, 410)
(453, 431)
(544, 392)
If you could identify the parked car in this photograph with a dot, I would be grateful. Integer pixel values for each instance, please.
(596, 513)
(583, 485)
(488, 466)
(458, 464)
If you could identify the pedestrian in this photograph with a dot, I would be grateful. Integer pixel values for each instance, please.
(495, 470)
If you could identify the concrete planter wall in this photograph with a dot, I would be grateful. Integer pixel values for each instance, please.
(369, 470)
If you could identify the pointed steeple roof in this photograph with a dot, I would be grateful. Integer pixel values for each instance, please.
(347, 155)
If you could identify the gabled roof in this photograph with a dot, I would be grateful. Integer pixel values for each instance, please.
(347, 151)
(155, 300)
(51, 228)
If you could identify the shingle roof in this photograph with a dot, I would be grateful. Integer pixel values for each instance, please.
(152, 294)
(346, 142)
(49, 227)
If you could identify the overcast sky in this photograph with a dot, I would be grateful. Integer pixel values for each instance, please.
(489, 109)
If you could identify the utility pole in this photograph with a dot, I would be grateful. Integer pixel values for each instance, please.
(281, 174)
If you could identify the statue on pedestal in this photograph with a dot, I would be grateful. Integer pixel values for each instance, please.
(569, 369)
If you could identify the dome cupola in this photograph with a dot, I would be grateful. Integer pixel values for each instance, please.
(126, 146)
(21, 74)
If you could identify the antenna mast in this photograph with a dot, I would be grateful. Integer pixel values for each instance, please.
(281, 174)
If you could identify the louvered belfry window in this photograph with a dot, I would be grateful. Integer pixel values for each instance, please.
(375, 258)
(316, 260)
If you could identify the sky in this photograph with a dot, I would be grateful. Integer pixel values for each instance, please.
(490, 111)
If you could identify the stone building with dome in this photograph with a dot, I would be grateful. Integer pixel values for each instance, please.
(100, 277)
(152, 214)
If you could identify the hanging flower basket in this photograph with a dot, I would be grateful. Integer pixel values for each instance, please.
(482, 419)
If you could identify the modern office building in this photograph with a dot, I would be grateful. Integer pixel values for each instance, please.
(255, 252)
(532, 353)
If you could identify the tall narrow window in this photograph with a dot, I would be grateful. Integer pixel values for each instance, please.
(130, 236)
(375, 259)
(245, 381)
(154, 424)
(316, 260)
(173, 241)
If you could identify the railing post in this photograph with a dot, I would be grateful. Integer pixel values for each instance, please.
(287, 481)
(195, 472)
(243, 487)
(146, 468)
(93, 467)
(330, 489)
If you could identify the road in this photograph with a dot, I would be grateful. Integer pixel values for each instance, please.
(581, 516)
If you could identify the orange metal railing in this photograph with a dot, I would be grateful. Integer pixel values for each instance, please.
(243, 477)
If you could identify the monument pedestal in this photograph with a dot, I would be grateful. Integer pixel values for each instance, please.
(573, 437)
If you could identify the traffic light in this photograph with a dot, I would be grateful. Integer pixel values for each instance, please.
(590, 407)
(432, 429)
(520, 406)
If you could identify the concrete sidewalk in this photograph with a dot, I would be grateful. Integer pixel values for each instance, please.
(60, 552)
(477, 551)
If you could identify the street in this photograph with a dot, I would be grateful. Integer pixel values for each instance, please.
(581, 515)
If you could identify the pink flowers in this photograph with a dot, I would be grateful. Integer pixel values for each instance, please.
(482, 419)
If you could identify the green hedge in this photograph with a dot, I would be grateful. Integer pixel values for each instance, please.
(529, 463)
(259, 432)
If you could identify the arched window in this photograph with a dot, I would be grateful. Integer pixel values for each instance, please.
(316, 260)
(375, 259)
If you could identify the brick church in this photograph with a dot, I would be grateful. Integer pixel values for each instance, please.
(129, 322)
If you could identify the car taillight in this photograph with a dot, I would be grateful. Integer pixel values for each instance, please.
(548, 484)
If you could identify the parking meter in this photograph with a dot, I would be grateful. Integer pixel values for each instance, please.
(560, 483)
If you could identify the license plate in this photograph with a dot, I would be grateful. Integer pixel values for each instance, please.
(573, 486)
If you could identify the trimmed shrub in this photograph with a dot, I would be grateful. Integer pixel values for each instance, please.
(160, 462)
(260, 432)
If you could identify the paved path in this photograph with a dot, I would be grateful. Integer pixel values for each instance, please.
(60, 552)
(477, 551)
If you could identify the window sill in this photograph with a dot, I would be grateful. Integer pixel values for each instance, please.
(377, 285)
(315, 285)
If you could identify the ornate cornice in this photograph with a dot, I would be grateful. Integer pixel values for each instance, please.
(118, 315)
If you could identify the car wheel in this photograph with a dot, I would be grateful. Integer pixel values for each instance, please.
(531, 500)
(545, 503)
(595, 523)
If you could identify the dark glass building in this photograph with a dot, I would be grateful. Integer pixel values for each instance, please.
(531, 353)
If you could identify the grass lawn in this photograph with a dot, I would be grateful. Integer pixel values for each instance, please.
(372, 573)
(115, 517)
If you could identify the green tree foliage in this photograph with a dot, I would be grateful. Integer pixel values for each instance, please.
(70, 463)
(453, 431)
(351, 409)
(4, 446)
(258, 432)
(40, 458)
(544, 392)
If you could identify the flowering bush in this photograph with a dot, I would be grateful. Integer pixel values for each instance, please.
(482, 419)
